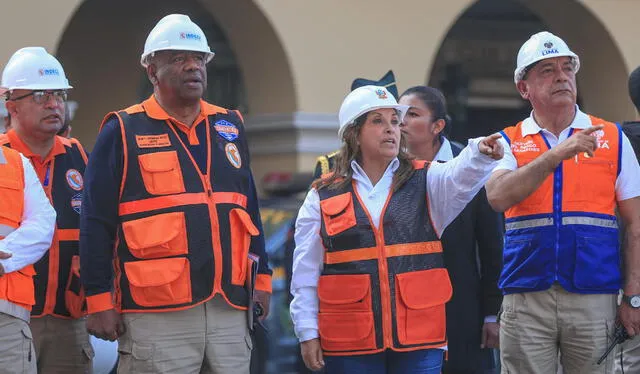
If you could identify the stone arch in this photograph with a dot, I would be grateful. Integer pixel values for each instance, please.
(475, 62)
(102, 42)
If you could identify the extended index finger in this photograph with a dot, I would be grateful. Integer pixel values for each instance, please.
(591, 129)
(495, 136)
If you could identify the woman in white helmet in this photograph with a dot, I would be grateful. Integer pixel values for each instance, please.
(370, 290)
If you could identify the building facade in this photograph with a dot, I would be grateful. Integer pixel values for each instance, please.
(287, 64)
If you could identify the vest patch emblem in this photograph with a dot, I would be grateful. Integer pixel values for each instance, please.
(233, 155)
(76, 202)
(226, 129)
(153, 141)
(74, 179)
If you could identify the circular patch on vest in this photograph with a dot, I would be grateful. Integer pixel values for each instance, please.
(76, 202)
(74, 179)
(233, 155)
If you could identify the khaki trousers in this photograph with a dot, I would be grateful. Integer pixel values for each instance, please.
(628, 357)
(536, 326)
(17, 354)
(62, 345)
(209, 338)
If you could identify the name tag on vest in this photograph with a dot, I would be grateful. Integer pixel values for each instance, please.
(153, 141)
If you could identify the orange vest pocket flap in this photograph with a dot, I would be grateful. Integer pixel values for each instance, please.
(343, 289)
(154, 230)
(425, 288)
(336, 204)
(152, 273)
(159, 161)
(345, 327)
(245, 219)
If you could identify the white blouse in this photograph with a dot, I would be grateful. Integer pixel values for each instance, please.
(451, 186)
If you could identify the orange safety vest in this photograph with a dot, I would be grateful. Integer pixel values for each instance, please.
(386, 287)
(184, 235)
(565, 231)
(57, 279)
(16, 288)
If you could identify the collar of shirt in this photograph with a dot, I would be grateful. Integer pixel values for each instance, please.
(580, 121)
(361, 178)
(155, 111)
(59, 144)
(445, 153)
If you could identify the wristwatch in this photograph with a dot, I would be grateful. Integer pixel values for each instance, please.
(633, 300)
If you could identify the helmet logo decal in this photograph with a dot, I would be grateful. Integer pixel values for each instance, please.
(44, 72)
(549, 49)
(189, 35)
(381, 94)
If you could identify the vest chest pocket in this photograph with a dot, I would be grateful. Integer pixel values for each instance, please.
(420, 306)
(338, 213)
(11, 199)
(161, 173)
(541, 197)
(242, 229)
(345, 319)
(159, 282)
(160, 235)
(597, 178)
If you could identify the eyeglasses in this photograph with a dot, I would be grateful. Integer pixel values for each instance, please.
(41, 97)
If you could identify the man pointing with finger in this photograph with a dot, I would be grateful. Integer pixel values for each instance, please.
(562, 178)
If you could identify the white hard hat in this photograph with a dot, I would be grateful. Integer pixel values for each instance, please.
(32, 68)
(541, 46)
(175, 32)
(365, 99)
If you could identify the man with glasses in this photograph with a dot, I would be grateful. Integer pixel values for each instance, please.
(36, 92)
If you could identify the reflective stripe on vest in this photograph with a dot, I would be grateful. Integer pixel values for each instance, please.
(565, 231)
(572, 220)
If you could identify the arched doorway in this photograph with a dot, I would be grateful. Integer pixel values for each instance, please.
(101, 46)
(474, 65)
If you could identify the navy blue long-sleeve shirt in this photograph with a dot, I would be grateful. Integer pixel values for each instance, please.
(99, 219)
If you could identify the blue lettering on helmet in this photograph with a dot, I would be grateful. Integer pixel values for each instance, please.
(189, 35)
(45, 72)
(549, 51)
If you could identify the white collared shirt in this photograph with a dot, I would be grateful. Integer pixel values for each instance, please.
(451, 186)
(445, 153)
(29, 242)
(628, 181)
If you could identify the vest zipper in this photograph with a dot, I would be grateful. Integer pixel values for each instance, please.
(383, 271)
(213, 213)
(215, 235)
(385, 290)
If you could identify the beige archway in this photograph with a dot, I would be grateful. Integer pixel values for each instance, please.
(483, 43)
(602, 80)
(102, 43)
